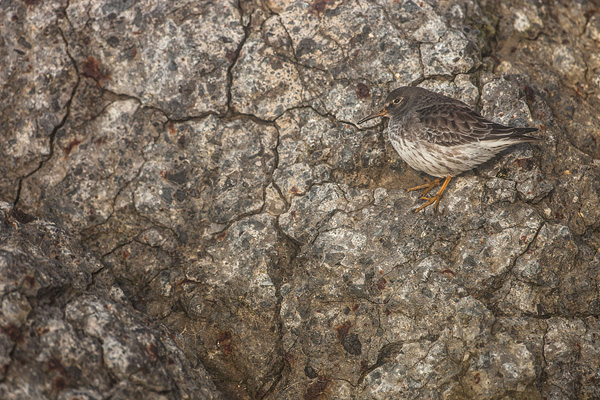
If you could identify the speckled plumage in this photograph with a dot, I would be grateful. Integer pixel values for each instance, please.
(441, 136)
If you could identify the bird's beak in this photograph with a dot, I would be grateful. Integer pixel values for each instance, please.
(380, 113)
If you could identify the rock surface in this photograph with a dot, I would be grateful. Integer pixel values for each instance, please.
(67, 331)
(206, 154)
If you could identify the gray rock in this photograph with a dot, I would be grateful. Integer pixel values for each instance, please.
(252, 93)
(65, 334)
(207, 154)
(37, 80)
(204, 170)
(89, 162)
(146, 50)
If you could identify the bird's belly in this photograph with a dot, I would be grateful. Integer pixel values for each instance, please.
(440, 161)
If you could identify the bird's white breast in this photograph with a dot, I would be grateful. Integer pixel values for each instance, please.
(440, 161)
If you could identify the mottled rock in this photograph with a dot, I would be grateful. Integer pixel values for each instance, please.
(447, 56)
(64, 335)
(208, 155)
(253, 93)
(571, 348)
(207, 171)
(94, 158)
(172, 56)
(231, 297)
(37, 80)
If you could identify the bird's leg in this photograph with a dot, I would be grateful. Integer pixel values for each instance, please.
(437, 197)
(427, 186)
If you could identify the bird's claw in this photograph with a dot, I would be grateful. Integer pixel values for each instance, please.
(433, 199)
(430, 201)
(427, 186)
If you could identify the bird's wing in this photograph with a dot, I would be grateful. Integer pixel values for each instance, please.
(451, 124)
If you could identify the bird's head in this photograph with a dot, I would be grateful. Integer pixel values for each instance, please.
(394, 102)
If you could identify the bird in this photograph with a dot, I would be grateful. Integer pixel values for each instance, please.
(442, 136)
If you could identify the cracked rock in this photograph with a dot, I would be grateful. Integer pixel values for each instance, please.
(205, 170)
(207, 156)
(446, 56)
(37, 79)
(172, 56)
(94, 158)
(62, 335)
(231, 295)
(264, 84)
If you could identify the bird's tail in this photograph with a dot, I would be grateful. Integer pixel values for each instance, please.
(521, 134)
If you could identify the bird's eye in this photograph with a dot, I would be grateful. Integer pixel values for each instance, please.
(396, 101)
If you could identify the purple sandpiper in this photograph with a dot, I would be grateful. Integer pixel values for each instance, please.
(441, 136)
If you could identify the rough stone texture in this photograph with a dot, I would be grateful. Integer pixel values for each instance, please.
(206, 153)
(37, 80)
(67, 333)
(180, 50)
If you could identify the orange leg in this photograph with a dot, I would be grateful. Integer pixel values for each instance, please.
(427, 186)
(435, 199)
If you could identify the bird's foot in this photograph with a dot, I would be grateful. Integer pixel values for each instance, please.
(435, 200)
(427, 186)
(430, 200)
